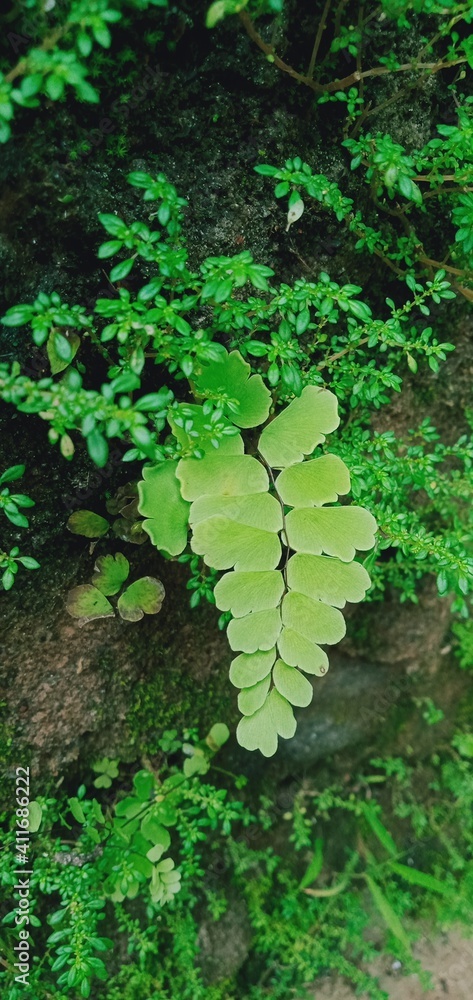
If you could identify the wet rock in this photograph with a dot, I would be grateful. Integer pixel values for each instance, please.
(225, 943)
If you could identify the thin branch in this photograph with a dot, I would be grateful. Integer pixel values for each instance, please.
(318, 38)
(269, 51)
(446, 267)
(355, 77)
(341, 354)
(347, 81)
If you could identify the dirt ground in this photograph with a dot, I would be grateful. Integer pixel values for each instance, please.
(449, 959)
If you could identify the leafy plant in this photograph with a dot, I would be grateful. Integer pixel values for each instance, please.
(107, 771)
(388, 170)
(442, 48)
(301, 340)
(89, 601)
(49, 68)
(239, 513)
(120, 852)
(9, 502)
(9, 564)
(463, 632)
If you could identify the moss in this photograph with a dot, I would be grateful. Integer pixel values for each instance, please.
(12, 754)
(176, 701)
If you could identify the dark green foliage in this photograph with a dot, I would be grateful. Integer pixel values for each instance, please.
(346, 864)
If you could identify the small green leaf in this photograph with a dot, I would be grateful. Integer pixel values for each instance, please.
(109, 248)
(85, 522)
(161, 503)
(337, 531)
(281, 189)
(324, 578)
(54, 86)
(195, 765)
(249, 668)
(224, 543)
(28, 562)
(265, 169)
(298, 651)
(18, 315)
(87, 603)
(76, 810)
(35, 814)
(110, 572)
(14, 472)
(231, 377)
(256, 631)
(315, 867)
(217, 475)
(312, 484)
(257, 732)
(302, 321)
(154, 831)
(380, 831)
(258, 510)
(113, 225)
(97, 447)
(422, 879)
(386, 911)
(292, 685)
(144, 783)
(314, 620)
(121, 270)
(298, 429)
(216, 12)
(145, 596)
(156, 852)
(241, 593)
(218, 736)
(252, 698)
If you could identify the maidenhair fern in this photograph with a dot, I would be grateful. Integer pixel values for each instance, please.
(264, 518)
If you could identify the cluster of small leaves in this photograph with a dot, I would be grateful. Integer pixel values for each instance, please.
(10, 563)
(307, 334)
(64, 38)
(294, 330)
(420, 491)
(127, 526)
(10, 504)
(395, 176)
(463, 632)
(285, 904)
(444, 42)
(176, 318)
(89, 601)
(343, 870)
(98, 415)
(119, 852)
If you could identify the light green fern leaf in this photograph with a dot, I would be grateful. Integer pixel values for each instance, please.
(243, 396)
(243, 518)
(264, 518)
